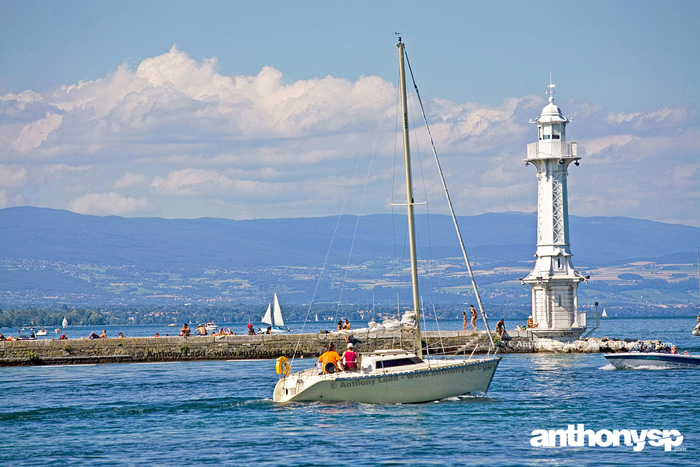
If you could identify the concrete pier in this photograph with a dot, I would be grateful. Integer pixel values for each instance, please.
(162, 349)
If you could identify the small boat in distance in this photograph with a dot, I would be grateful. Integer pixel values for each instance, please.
(210, 326)
(273, 318)
(651, 360)
(41, 332)
(26, 334)
(605, 314)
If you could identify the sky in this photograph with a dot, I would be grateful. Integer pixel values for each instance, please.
(247, 110)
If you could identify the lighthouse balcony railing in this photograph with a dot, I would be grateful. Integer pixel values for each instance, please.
(558, 149)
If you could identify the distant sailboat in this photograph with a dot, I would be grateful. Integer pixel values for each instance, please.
(273, 317)
(65, 322)
(604, 315)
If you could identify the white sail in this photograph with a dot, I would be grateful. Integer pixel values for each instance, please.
(65, 322)
(605, 314)
(278, 313)
(267, 318)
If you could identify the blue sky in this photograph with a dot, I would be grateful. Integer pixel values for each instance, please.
(260, 109)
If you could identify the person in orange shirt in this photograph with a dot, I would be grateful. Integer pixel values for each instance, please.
(331, 360)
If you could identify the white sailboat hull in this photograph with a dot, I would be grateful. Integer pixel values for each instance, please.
(438, 380)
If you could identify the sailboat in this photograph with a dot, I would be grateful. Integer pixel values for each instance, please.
(396, 375)
(64, 323)
(273, 317)
(605, 314)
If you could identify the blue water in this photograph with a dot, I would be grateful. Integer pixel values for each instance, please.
(221, 413)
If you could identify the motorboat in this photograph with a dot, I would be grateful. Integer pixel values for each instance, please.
(395, 376)
(273, 318)
(696, 330)
(26, 334)
(655, 360)
(210, 326)
(41, 332)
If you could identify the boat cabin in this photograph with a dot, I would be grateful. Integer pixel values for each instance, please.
(389, 360)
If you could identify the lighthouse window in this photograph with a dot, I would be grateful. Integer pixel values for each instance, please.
(555, 136)
(545, 137)
(559, 263)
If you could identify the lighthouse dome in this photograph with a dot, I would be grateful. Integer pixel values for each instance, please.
(551, 113)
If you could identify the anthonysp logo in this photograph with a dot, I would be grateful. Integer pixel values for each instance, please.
(576, 437)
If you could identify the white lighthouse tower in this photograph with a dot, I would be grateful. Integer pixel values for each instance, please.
(554, 280)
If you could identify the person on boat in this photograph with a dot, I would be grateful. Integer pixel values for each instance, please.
(185, 331)
(674, 350)
(473, 310)
(200, 331)
(500, 328)
(464, 321)
(686, 353)
(251, 330)
(330, 360)
(350, 359)
(347, 324)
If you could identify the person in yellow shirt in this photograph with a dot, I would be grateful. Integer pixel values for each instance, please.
(331, 360)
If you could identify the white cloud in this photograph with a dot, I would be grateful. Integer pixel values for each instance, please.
(129, 179)
(108, 204)
(264, 146)
(190, 182)
(12, 177)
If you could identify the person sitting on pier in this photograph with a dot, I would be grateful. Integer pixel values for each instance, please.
(340, 325)
(63, 336)
(351, 359)
(347, 324)
(251, 330)
(530, 322)
(200, 331)
(269, 330)
(185, 331)
(500, 329)
(2, 338)
(330, 360)
(121, 336)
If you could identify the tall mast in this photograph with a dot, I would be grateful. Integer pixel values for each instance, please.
(409, 201)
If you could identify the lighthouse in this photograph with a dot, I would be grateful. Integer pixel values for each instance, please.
(554, 280)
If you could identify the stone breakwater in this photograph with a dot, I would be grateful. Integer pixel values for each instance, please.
(161, 349)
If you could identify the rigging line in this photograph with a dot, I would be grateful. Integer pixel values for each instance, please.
(359, 213)
(330, 245)
(452, 212)
(427, 278)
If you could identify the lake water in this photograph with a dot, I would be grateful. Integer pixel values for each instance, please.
(221, 413)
